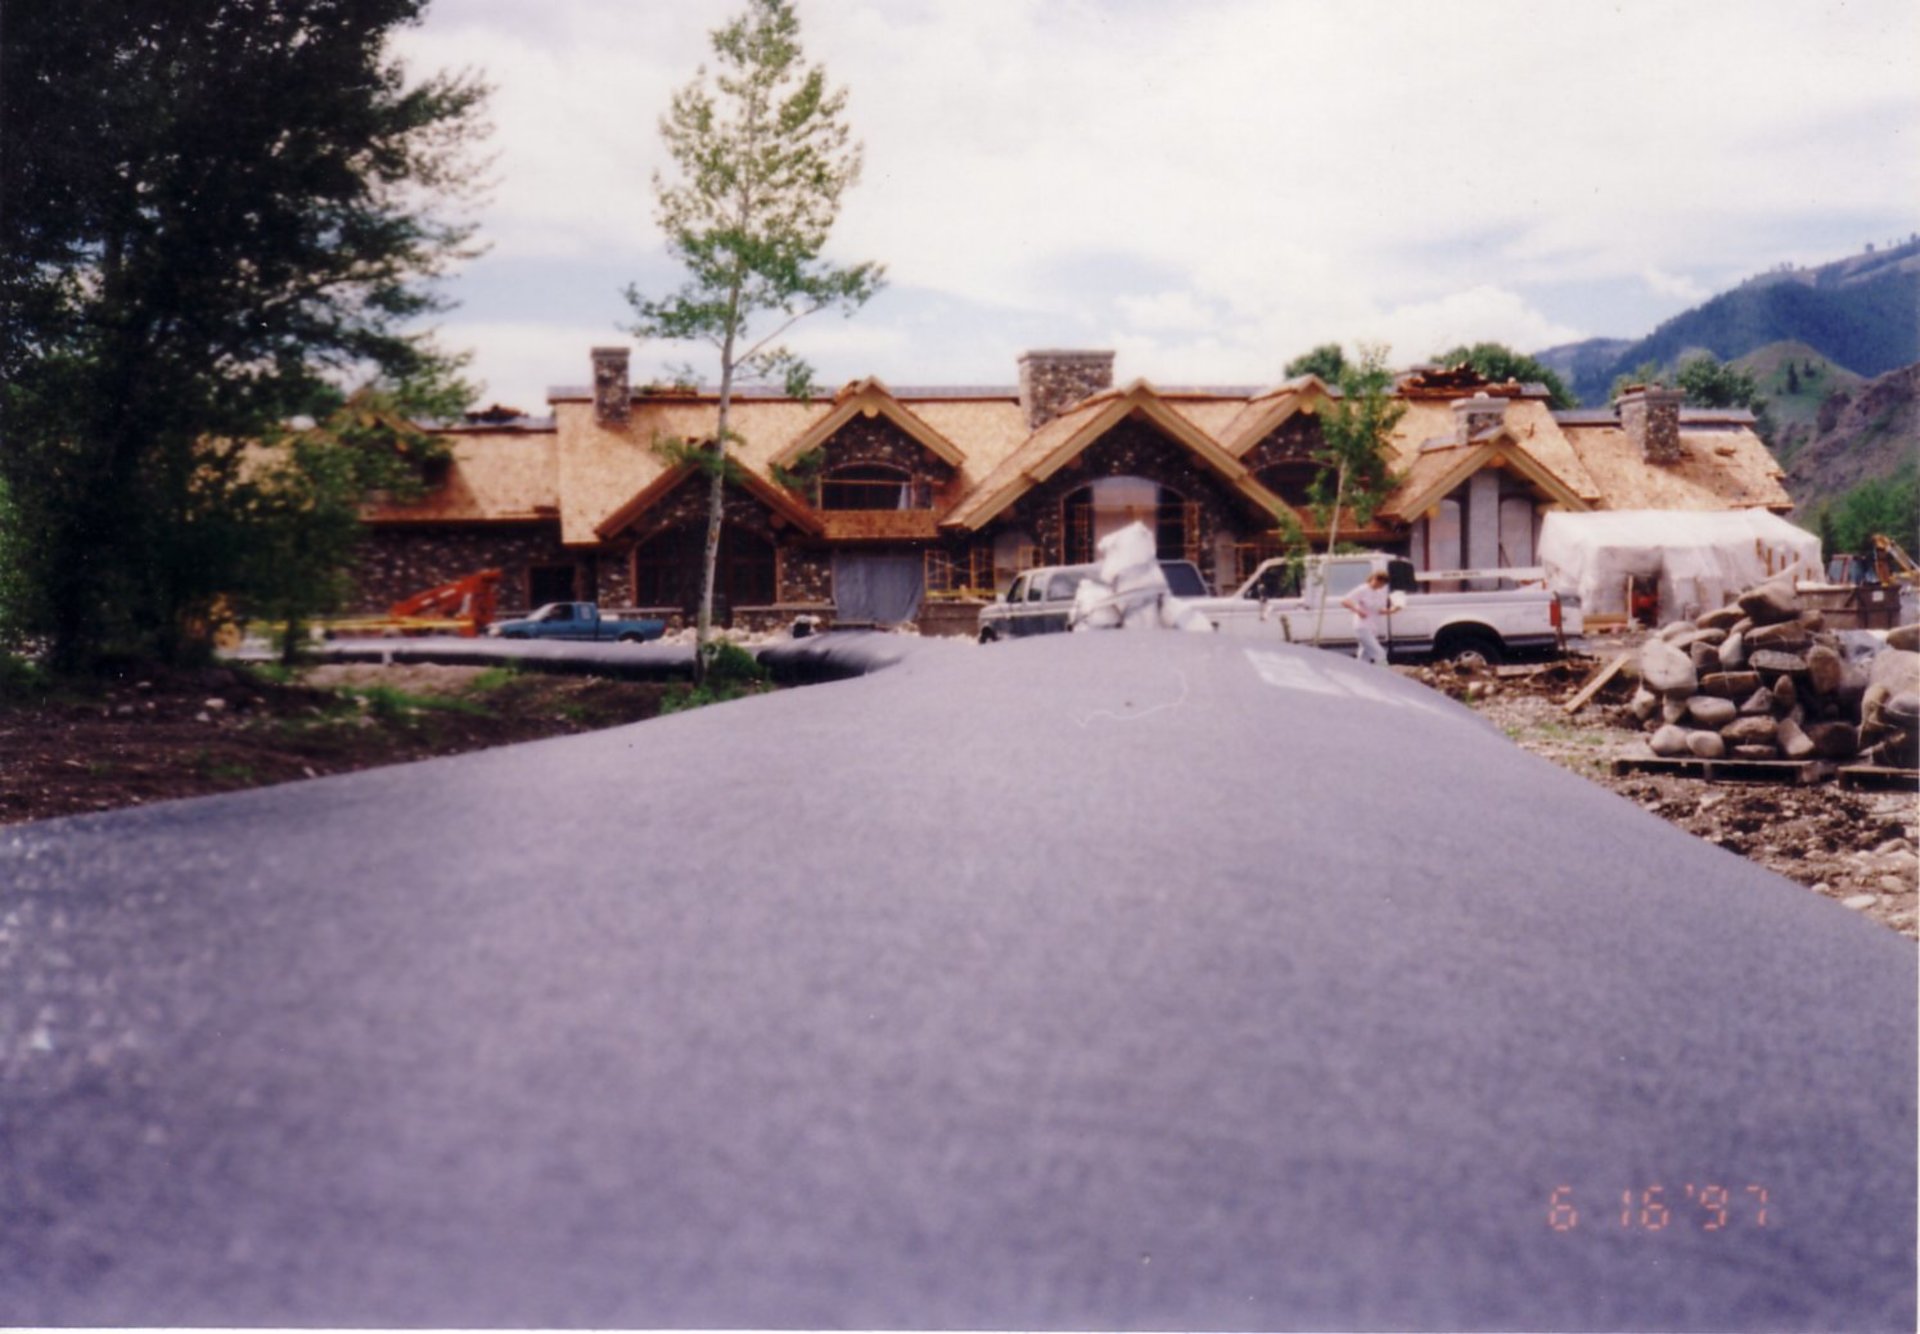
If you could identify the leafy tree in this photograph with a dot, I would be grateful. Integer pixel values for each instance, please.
(1498, 362)
(213, 208)
(1709, 382)
(763, 154)
(1326, 361)
(1357, 474)
(300, 506)
(1793, 379)
(1889, 505)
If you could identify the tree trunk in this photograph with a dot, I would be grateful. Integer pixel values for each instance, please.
(716, 510)
(1333, 529)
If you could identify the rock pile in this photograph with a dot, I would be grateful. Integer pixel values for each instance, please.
(1764, 679)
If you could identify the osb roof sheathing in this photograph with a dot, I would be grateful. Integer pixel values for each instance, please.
(492, 478)
(1724, 468)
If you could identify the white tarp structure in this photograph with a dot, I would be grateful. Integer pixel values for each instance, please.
(1129, 591)
(1699, 561)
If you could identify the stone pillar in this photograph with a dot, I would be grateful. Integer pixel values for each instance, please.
(1052, 382)
(612, 391)
(1480, 413)
(1483, 525)
(1651, 418)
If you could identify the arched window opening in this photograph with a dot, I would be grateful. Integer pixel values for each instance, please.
(871, 486)
(1110, 504)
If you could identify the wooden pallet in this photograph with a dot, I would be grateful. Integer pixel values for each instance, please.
(1728, 771)
(1878, 778)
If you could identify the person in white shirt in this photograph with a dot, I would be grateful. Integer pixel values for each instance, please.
(1368, 602)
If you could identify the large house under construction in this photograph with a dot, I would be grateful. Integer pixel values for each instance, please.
(893, 505)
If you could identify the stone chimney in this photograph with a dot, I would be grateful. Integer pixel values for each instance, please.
(612, 391)
(1052, 382)
(1650, 416)
(1480, 413)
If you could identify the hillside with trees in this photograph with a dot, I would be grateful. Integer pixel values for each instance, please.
(1861, 313)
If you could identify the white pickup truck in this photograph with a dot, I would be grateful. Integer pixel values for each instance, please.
(1488, 626)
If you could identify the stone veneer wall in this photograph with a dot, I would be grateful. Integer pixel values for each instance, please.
(1052, 382)
(804, 572)
(1294, 440)
(1651, 419)
(398, 561)
(871, 440)
(1131, 449)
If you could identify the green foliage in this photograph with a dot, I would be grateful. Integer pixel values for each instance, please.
(804, 473)
(762, 155)
(300, 512)
(1498, 362)
(731, 673)
(1649, 373)
(1356, 474)
(1709, 382)
(1326, 361)
(213, 208)
(1889, 505)
(391, 704)
(16, 588)
(21, 679)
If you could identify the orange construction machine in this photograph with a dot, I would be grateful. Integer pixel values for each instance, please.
(464, 607)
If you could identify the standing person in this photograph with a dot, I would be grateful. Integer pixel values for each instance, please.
(1368, 602)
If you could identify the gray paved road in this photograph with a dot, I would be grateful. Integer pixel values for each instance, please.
(1100, 981)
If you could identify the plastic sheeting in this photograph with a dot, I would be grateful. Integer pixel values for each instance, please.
(1699, 561)
(1128, 590)
(883, 588)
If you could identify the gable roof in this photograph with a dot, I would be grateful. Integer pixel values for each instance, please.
(773, 497)
(1435, 473)
(869, 398)
(1267, 412)
(1064, 438)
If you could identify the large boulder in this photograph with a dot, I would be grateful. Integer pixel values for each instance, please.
(1751, 732)
(1758, 705)
(1776, 661)
(1670, 741)
(1785, 698)
(1721, 618)
(1835, 741)
(1906, 638)
(1706, 745)
(1644, 704)
(1706, 658)
(1733, 651)
(1712, 710)
(1733, 685)
(1825, 670)
(1787, 635)
(1755, 752)
(1666, 670)
(1794, 743)
(1896, 669)
(1771, 603)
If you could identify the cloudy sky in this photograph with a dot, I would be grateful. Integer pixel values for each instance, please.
(1208, 187)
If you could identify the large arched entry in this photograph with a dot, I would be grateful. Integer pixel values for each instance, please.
(1111, 503)
(667, 569)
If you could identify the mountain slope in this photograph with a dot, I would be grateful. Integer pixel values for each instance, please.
(1865, 434)
(1862, 313)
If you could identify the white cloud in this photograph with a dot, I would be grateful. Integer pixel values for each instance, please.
(1241, 179)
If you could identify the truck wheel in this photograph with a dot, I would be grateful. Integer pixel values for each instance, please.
(988, 637)
(1474, 648)
(514, 634)
(629, 639)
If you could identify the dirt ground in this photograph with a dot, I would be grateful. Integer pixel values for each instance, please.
(1857, 847)
(155, 736)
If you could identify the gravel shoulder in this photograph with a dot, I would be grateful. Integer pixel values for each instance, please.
(1856, 847)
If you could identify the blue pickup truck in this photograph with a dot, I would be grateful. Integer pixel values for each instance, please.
(577, 620)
